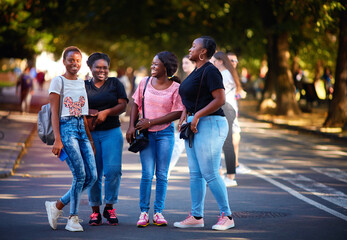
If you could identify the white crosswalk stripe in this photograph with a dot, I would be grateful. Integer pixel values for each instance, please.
(335, 173)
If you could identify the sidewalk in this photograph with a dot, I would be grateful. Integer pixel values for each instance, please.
(307, 122)
(17, 129)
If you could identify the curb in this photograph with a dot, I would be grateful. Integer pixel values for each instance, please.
(14, 161)
(301, 129)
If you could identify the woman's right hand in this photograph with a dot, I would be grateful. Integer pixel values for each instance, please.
(57, 146)
(130, 135)
(183, 119)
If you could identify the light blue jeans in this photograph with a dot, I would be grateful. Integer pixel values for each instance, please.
(156, 156)
(108, 148)
(80, 160)
(204, 159)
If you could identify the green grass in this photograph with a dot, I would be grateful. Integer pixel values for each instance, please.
(7, 84)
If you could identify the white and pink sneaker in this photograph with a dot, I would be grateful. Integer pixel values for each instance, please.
(159, 220)
(223, 223)
(190, 222)
(143, 220)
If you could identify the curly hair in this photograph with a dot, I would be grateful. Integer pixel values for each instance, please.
(97, 56)
(170, 62)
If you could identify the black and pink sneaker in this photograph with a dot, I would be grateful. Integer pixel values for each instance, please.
(95, 219)
(111, 216)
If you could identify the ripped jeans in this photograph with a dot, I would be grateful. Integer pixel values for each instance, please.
(80, 160)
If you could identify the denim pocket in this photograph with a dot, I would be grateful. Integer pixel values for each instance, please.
(223, 128)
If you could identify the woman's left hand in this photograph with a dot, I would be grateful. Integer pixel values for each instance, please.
(143, 123)
(101, 117)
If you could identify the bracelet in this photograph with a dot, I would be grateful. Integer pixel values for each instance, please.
(149, 122)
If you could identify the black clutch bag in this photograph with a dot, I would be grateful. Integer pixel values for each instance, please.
(187, 133)
(139, 142)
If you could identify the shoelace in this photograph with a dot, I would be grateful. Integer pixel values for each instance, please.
(142, 216)
(221, 220)
(187, 219)
(94, 215)
(112, 213)
(159, 216)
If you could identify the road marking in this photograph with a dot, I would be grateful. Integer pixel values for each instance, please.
(299, 195)
(335, 173)
(318, 189)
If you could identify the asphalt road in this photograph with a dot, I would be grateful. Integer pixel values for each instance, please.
(297, 189)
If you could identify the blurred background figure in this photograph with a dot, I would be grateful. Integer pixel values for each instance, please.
(187, 67)
(236, 126)
(327, 78)
(25, 82)
(40, 77)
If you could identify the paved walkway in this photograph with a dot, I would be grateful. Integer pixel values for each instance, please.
(16, 129)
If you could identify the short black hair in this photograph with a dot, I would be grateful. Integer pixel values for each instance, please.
(96, 56)
(210, 44)
(71, 49)
(170, 62)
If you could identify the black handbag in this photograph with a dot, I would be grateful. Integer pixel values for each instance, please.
(186, 132)
(141, 137)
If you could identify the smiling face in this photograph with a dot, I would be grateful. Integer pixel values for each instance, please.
(157, 68)
(73, 62)
(196, 50)
(100, 70)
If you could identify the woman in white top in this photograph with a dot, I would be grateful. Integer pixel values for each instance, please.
(69, 105)
(232, 86)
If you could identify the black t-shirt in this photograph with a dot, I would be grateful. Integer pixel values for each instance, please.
(106, 97)
(190, 86)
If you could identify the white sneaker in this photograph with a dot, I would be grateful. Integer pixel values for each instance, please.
(73, 224)
(241, 169)
(230, 182)
(53, 213)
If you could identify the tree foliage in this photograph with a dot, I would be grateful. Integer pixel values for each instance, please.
(131, 32)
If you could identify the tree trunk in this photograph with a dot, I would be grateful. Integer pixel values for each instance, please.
(269, 94)
(285, 88)
(337, 113)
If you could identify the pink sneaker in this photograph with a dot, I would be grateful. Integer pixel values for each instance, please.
(190, 221)
(223, 223)
(143, 220)
(159, 220)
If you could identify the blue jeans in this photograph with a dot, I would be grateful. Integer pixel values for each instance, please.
(156, 156)
(108, 148)
(80, 160)
(204, 159)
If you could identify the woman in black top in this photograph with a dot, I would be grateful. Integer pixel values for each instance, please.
(210, 128)
(107, 97)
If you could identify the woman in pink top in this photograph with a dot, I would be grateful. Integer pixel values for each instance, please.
(163, 105)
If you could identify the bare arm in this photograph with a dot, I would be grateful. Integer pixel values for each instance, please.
(214, 105)
(88, 133)
(183, 118)
(54, 100)
(145, 123)
(133, 116)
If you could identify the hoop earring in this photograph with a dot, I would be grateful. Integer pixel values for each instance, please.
(200, 58)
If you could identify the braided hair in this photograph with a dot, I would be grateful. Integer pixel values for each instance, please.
(170, 62)
(210, 44)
